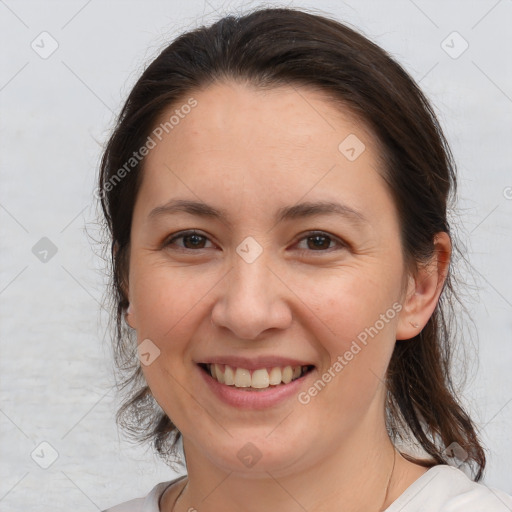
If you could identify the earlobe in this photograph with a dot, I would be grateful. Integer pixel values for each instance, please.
(424, 290)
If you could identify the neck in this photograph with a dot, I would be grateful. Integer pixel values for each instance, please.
(359, 474)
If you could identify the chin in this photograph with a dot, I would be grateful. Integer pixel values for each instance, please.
(255, 456)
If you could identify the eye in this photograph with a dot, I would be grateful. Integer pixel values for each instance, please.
(191, 240)
(318, 241)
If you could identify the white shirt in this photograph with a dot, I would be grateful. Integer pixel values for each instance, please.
(441, 489)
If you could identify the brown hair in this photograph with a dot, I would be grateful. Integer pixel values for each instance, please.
(269, 48)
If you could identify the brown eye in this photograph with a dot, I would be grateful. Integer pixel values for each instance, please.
(191, 240)
(320, 242)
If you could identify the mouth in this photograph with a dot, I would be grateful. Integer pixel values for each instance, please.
(259, 379)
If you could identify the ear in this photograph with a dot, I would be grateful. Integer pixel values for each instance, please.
(130, 317)
(424, 289)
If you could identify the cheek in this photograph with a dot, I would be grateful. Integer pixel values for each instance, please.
(166, 298)
(351, 301)
(168, 305)
(355, 324)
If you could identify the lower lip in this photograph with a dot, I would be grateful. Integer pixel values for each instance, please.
(239, 398)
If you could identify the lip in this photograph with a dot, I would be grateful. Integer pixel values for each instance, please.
(255, 400)
(254, 363)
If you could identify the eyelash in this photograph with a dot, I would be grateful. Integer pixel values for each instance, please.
(311, 234)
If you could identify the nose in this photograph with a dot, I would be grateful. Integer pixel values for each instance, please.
(252, 299)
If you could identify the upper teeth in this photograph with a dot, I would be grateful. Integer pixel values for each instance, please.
(260, 378)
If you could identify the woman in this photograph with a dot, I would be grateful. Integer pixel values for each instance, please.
(276, 192)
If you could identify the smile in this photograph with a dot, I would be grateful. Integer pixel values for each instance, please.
(257, 379)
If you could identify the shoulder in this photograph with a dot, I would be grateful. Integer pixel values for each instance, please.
(448, 489)
(149, 503)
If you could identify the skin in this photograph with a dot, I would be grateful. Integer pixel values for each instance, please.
(252, 152)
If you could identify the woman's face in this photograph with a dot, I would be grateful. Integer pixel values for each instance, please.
(268, 279)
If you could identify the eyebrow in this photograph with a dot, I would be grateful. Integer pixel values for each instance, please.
(300, 210)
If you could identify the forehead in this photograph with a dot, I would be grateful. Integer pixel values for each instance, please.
(300, 118)
(278, 144)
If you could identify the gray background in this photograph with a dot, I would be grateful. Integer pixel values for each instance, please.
(56, 383)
